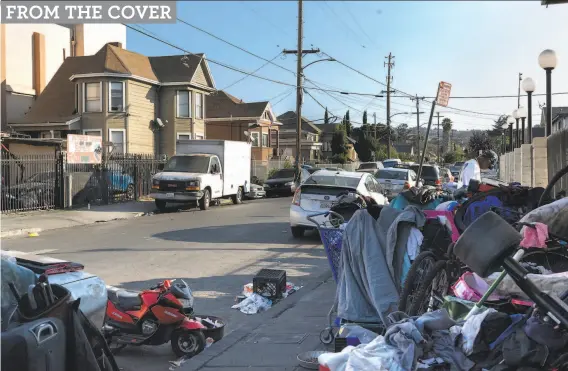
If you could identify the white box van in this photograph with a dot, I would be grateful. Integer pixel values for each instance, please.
(204, 170)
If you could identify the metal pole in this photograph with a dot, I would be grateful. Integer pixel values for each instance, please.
(522, 130)
(548, 101)
(375, 124)
(511, 137)
(519, 91)
(417, 124)
(299, 91)
(516, 133)
(388, 105)
(438, 137)
(426, 137)
(529, 111)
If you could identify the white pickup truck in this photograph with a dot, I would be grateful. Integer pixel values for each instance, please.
(204, 170)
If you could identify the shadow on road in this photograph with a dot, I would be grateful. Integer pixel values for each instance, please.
(240, 233)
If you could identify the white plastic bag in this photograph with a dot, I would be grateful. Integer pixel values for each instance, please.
(253, 304)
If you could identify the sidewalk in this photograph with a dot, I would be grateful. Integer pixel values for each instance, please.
(20, 224)
(275, 338)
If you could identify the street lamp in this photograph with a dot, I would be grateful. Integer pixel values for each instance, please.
(516, 117)
(529, 86)
(522, 112)
(547, 61)
(510, 121)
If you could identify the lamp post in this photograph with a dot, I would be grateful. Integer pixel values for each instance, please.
(529, 86)
(510, 121)
(547, 61)
(516, 117)
(503, 149)
(522, 112)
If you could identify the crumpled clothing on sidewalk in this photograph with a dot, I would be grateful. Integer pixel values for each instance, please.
(470, 330)
(535, 237)
(554, 283)
(414, 242)
(253, 304)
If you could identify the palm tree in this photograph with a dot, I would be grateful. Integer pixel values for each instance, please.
(447, 129)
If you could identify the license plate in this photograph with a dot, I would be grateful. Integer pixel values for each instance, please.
(169, 195)
(325, 205)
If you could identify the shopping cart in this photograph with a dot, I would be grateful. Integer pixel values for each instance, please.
(330, 228)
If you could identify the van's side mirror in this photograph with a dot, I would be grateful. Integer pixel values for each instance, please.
(161, 167)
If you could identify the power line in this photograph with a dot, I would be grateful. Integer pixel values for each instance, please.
(284, 97)
(489, 96)
(357, 23)
(244, 77)
(344, 23)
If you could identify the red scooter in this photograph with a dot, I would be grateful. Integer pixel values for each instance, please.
(154, 317)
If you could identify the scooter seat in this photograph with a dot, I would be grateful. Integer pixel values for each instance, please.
(127, 300)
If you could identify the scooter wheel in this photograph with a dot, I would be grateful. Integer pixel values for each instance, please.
(187, 343)
(327, 336)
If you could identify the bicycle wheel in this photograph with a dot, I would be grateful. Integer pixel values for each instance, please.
(423, 263)
(555, 261)
(430, 295)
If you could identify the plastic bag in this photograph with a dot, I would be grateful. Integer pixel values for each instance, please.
(253, 304)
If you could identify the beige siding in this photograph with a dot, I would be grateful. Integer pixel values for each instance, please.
(167, 114)
(141, 103)
(199, 77)
(199, 127)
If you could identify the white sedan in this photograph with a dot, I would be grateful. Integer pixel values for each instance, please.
(395, 180)
(321, 189)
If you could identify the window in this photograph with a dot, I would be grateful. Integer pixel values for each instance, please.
(183, 136)
(254, 139)
(116, 96)
(378, 187)
(198, 105)
(265, 140)
(370, 185)
(93, 97)
(93, 132)
(215, 162)
(183, 103)
(116, 137)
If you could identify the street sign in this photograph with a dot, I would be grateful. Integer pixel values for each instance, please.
(443, 93)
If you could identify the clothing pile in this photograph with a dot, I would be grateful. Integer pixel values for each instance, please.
(490, 341)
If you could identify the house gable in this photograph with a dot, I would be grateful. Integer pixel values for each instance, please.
(202, 75)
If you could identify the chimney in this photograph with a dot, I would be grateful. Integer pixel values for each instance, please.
(38, 57)
(117, 44)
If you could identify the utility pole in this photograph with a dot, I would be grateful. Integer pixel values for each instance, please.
(417, 123)
(439, 152)
(390, 64)
(519, 91)
(299, 79)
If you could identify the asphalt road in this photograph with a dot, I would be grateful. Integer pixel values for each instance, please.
(215, 251)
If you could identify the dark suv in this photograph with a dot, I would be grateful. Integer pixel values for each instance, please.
(430, 174)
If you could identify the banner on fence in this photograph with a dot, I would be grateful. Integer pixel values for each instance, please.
(84, 149)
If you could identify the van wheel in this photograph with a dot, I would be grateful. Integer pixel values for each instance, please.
(238, 198)
(297, 232)
(161, 205)
(205, 200)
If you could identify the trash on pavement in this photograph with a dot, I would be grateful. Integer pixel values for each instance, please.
(247, 289)
(290, 289)
(253, 304)
(208, 342)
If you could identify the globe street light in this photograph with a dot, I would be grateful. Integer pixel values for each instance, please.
(516, 117)
(510, 121)
(529, 86)
(547, 61)
(522, 112)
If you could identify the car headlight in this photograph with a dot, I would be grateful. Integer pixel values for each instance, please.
(186, 303)
(155, 182)
(193, 183)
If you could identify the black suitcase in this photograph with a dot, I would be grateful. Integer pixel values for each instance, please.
(39, 345)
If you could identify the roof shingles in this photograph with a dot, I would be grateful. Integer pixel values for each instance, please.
(222, 104)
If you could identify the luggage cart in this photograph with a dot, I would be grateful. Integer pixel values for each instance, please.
(331, 234)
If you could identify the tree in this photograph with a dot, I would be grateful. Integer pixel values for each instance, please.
(499, 126)
(479, 141)
(450, 157)
(339, 142)
(364, 118)
(402, 132)
(326, 117)
(365, 146)
(347, 121)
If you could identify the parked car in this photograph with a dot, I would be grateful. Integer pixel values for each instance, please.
(281, 183)
(370, 167)
(37, 191)
(456, 168)
(430, 174)
(395, 180)
(256, 191)
(319, 191)
(391, 162)
(447, 176)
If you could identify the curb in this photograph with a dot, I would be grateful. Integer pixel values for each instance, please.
(19, 232)
(234, 337)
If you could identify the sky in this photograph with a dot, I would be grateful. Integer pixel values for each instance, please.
(479, 47)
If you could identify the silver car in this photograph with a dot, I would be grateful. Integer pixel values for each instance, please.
(394, 180)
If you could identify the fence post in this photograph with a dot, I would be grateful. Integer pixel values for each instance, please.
(59, 186)
(136, 180)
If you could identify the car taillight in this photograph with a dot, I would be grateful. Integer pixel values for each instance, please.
(406, 185)
(438, 182)
(297, 196)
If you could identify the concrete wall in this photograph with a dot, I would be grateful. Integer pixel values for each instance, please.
(527, 165)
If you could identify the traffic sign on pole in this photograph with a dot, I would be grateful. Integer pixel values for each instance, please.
(443, 93)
